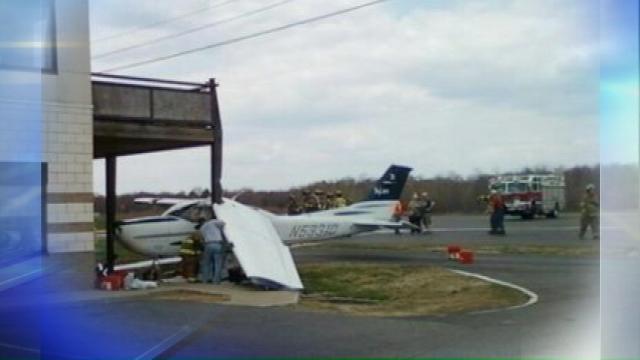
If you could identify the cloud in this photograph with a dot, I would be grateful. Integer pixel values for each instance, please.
(443, 86)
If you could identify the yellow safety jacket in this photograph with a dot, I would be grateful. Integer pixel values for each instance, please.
(339, 202)
(191, 245)
(589, 205)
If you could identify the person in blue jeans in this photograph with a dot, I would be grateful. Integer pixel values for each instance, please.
(213, 257)
(220, 252)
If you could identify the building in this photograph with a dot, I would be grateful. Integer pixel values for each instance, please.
(55, 96)
(56, 120)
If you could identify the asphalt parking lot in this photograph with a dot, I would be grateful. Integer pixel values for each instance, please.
(563, 323)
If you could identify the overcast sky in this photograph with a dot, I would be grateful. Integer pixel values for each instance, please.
(442, 86)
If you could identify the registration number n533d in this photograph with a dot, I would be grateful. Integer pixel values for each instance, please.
(310, 231)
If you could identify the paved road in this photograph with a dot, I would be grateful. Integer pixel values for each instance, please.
(562, 324)
(564, 320)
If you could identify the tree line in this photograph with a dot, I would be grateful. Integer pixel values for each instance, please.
(453, 193)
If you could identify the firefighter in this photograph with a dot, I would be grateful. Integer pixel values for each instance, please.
(589, 213)
(398, 212)
(292, 207)
(309, 202)
(427, 206)
(331, 201)
(496, 211)
(190, 249)
(321, 199)
(339, 199)
(415, 214)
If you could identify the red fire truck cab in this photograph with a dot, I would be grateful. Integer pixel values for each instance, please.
(532, 194)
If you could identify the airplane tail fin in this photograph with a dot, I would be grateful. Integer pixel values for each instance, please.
(390, 185)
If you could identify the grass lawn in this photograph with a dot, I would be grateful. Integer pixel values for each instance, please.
(399, 290)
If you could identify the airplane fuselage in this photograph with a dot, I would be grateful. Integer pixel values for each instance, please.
(293, 229)
(160, 236)
(255, 232)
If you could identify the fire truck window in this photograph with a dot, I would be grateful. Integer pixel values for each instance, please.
(517, 187)
(501, 187)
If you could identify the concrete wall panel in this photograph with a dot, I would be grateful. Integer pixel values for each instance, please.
(124, 101)
(175, 105)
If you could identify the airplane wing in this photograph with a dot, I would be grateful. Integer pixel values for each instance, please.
(161, 201)
(147, 263)
(257, 246)
(375, 224)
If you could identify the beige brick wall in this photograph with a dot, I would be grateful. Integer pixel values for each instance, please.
(71, 242)
(56, 112)
(68, 133)
(68, 151)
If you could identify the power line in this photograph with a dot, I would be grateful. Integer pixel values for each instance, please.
(162, 22)
(190, 31)
(244, 37)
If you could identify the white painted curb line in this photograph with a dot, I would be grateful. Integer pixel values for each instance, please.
(533, 297)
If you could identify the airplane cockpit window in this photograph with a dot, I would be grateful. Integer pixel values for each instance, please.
(206, 212)
(182, 212)
(194, 212)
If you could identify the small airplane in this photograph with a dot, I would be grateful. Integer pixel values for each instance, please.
(260, 238)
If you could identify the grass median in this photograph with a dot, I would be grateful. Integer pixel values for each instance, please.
(399, 290)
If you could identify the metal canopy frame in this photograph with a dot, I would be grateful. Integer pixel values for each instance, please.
(214, 125)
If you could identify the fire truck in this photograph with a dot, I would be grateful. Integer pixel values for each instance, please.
(531, 194)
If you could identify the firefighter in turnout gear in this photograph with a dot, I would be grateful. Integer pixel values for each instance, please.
(339, 200)
(496, 211)
(190, 250)
(589, 213)
(427, 206)
(321, 199)
(293, 208)
(398, 213)
(415, 214)
(309, 202)
(331, 201)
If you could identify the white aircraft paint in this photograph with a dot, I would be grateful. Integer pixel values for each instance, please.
(259, 237)
(257, 246)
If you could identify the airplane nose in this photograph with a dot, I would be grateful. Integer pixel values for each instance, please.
(121, 233)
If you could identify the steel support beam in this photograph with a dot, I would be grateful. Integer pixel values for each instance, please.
(110, 161)
(216, 147)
